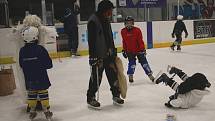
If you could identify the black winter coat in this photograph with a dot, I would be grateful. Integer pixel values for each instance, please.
(179, 28)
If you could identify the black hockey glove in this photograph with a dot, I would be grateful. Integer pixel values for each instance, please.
(173, 36)
(186, 35)
(94, 61)
(124, 54)
(172, 97)
(143, 52)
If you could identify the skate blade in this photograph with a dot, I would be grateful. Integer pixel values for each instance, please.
(95, 108)
(157, 76)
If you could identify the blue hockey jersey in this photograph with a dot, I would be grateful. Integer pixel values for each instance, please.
(34, 60)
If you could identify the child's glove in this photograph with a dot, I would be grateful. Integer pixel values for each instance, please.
(124, 54)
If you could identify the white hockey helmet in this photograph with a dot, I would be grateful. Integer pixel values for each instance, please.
(30, 34)
(180, 17)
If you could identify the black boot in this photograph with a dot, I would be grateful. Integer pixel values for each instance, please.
(173, 70)
(179, 47)
(118, 101)
(93, 103)
(163, 78)
(172, 47)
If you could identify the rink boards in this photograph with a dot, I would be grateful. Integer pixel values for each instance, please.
(156, 34)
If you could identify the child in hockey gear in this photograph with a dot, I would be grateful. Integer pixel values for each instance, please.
(34, 61)
(189, 93)
(134, 47)
(102, 54)
(177, 31)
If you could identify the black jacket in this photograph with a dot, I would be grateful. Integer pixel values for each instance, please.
(70, 21)
(179, 28)
(100, 37)
(34, 60)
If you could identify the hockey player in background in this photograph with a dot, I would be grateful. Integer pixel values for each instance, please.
(177, 31)
(189, 93)
(34, 61)
(134, 47)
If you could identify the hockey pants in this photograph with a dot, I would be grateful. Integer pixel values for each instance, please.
(177, 42)
(142, 60)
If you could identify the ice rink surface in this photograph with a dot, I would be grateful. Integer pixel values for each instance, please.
(144, 102)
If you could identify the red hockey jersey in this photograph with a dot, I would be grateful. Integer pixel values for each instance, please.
(132, 40)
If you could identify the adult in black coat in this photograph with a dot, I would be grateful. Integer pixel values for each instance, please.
(71, 28)
(102, 53)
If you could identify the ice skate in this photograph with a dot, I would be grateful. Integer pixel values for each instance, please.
(131, 79)
(118, 101)
(48, 115)
(32, 115)
(172, 47)
(173, 70)
(151, 77)
(162, 78)
(93, 104)
(178, 48)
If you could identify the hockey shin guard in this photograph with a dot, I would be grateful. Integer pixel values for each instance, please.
(131, 67)
(32, 99)
(44, 98)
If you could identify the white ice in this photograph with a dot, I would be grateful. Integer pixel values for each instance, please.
(144, 102)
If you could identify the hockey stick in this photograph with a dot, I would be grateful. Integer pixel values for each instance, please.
(97, 79)
(58, 54)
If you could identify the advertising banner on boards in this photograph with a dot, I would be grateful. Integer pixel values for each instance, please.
(204, 29)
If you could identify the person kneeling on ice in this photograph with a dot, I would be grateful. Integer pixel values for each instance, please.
(189, 93)
(134, 47)
(34, 61)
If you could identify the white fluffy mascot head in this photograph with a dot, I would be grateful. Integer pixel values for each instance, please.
(46, 34)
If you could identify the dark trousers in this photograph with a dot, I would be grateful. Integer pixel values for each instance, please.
(73, 39)
(177, 41)
(109, 68)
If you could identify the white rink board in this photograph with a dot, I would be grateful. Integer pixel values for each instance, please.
(162, 31)
(116, 28)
